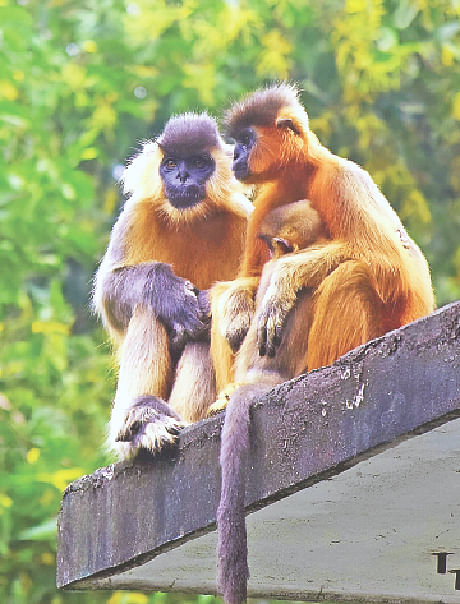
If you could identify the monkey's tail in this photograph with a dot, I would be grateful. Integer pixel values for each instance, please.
(232, 550)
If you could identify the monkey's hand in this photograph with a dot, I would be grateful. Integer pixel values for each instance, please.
(238, 327)
(175, 302)
(275, 308)
(149, 424)
(233, 309)
(204, 303)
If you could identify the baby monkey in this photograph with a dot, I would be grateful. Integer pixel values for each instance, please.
(290, 228)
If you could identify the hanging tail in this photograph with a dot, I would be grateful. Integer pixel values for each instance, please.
(232, 549)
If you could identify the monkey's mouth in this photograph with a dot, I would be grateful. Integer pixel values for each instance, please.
(186, 197)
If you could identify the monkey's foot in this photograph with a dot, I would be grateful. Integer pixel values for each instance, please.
(149, 424)
(222, 400)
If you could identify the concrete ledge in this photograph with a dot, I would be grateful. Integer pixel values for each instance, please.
(380, 396)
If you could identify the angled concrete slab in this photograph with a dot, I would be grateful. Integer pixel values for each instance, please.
(354, 487)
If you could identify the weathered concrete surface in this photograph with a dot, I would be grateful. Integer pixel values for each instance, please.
(367, 534)
(303, 432)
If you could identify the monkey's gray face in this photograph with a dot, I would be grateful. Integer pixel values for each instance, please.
(244, 142)
(185, 177)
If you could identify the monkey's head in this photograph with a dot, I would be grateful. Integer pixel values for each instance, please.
(186, 172)
(187, 143)
(270, 129)
(291, 227)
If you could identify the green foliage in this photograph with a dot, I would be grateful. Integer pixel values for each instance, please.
(80, 84)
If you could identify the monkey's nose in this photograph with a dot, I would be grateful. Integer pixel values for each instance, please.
(182, 176)
(182, 173)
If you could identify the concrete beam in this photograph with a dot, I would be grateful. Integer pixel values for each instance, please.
(371, 440)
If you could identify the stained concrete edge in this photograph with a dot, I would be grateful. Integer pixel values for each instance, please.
(303, 431)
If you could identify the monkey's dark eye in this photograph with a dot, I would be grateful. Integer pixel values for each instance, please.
(200, 162)
(170, 163)
(245, 138)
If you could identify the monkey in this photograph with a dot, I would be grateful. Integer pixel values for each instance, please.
(366, 278)
(275, 148)
(291, 227)
(181, 229)
(284, 230)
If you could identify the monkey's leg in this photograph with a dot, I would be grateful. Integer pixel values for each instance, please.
(232, 304)
(347, 312)
(290, 357)
(250, 367)
(222, 356)
(145, 369)
(194, 387)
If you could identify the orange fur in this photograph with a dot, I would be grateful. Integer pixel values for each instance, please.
(233, 303)
(203, 244)
(360, 276)
(202, 250)
(363, 228)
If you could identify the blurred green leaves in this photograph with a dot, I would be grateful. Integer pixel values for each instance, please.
(80, 85)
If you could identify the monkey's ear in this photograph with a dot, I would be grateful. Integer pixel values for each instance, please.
(289, 120)
(285, 122)
(282, 246)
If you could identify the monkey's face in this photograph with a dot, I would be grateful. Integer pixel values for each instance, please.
(184, 178)
(244, 143)
(257, 154)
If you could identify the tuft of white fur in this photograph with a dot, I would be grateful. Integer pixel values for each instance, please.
(141, 177)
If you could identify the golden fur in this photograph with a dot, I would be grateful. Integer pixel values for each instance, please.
(361, 277)
(202, 244)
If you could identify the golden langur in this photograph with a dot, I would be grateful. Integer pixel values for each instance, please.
(364, 278)
(182, 228)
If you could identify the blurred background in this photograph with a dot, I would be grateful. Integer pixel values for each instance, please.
(81, 83)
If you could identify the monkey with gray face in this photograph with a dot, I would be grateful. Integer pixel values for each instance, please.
(364, 278)
(181, 229)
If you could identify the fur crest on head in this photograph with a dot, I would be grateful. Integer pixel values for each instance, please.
(261, 107)
(188, 134)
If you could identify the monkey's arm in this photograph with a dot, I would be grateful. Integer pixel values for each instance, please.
(172, 299)
(363, 226)
(119, 288)
(290, 273)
